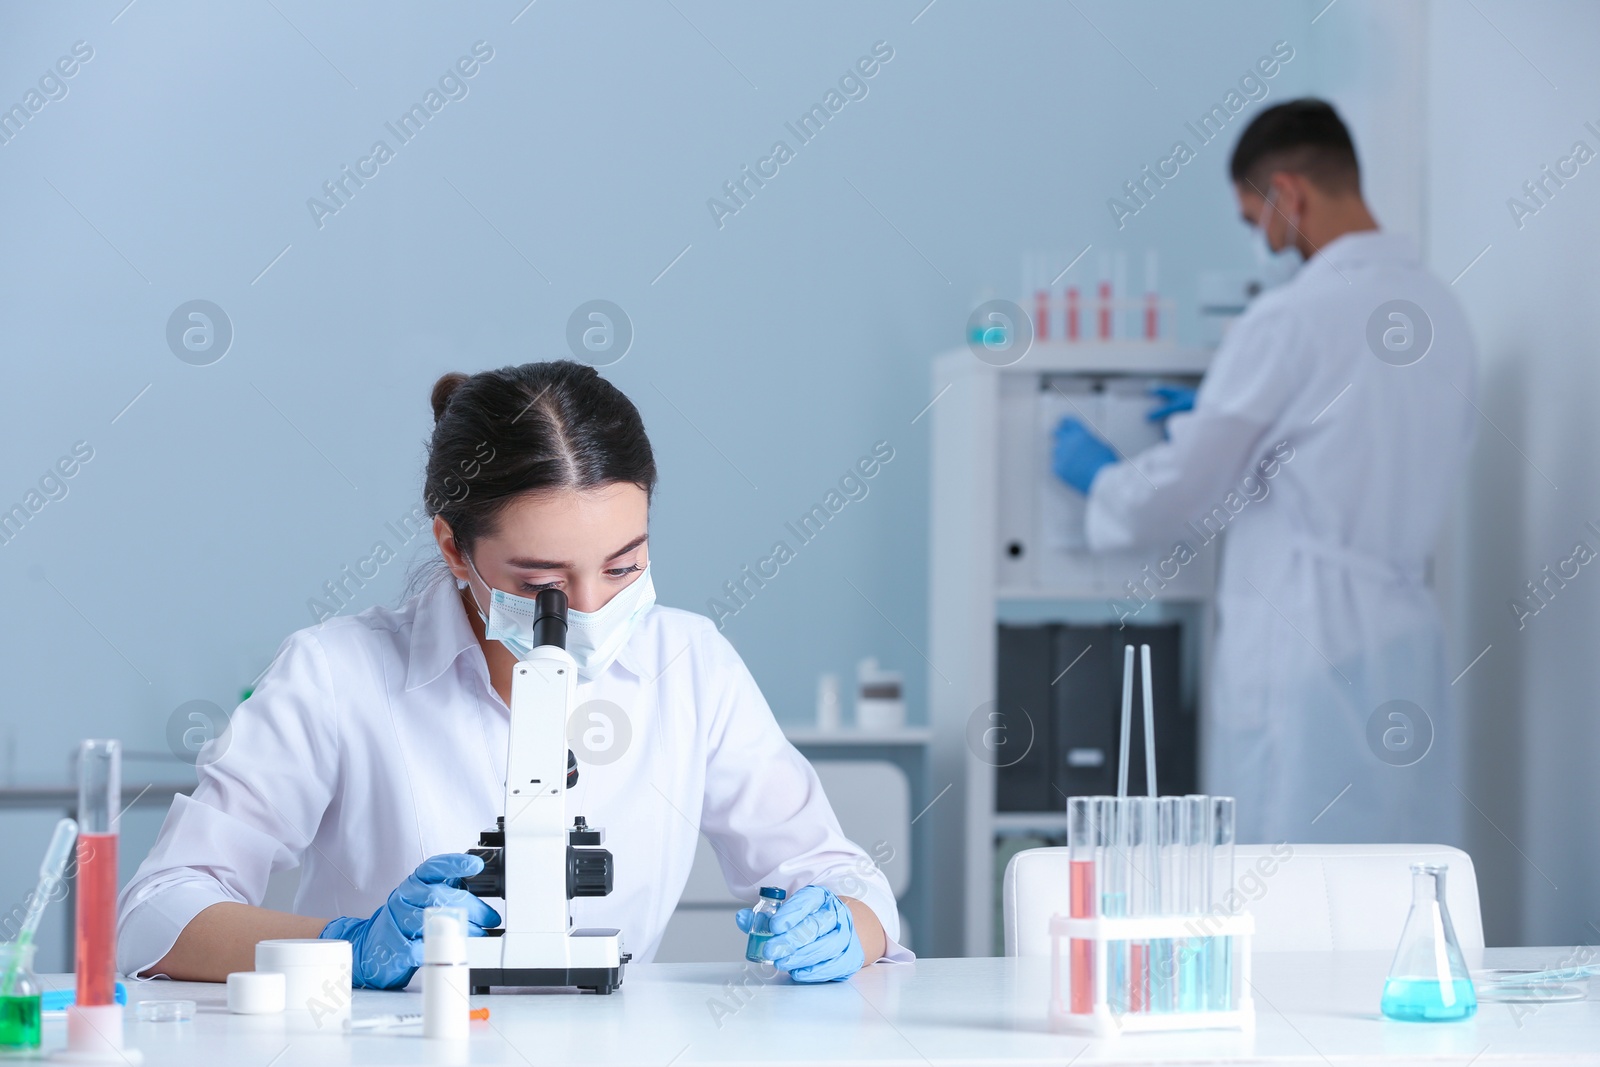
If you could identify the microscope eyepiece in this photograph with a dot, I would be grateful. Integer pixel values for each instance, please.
(550, 618)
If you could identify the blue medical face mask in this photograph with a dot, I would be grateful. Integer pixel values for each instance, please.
(593, 637)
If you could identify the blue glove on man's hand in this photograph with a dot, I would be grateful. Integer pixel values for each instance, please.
(813, 937)
(1174, 398)
(386, 949)
(1079, 455)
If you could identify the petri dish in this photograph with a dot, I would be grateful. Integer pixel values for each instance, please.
(1508, 986)
(164, 1011)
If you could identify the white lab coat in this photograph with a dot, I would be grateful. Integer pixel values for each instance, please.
(375, 740)
(1324, 610)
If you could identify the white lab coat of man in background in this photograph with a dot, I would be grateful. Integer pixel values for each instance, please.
(1339, 409)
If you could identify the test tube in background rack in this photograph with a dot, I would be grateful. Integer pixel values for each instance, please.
(1084, 853)
(1143, 896)
(1119, 303)
(1222, 836)
(1103, 309)
(1114, 900)
(1033, 270)
(1169, 889)
(1192, 968)
(1152, 299)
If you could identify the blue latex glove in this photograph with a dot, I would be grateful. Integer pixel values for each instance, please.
(1174, 398)
(814, 937)
(1079, 455)
(387, 948)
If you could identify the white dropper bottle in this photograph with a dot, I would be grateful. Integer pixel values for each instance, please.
(445, 975)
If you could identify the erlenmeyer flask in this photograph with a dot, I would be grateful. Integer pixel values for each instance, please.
(1428, 980)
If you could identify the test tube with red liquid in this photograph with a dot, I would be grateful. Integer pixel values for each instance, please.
(94, 1022)
(1152, 300)
(1083, 844)
(1072, 313)
(99, 774)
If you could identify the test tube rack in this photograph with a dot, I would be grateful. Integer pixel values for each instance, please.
(1105, 936)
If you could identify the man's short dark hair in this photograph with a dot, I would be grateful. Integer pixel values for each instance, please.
(1303, 137)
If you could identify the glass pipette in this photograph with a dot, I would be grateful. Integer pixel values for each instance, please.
(50, 871)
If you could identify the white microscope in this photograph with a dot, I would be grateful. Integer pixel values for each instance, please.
(533, 862)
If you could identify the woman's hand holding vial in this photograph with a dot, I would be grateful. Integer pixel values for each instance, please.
(812, 934)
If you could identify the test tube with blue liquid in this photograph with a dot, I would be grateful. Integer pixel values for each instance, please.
(1221, 958)
(1164, 955)
(1193, 967)
(1114, 899)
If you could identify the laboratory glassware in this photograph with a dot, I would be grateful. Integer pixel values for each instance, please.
(164, 1011)
(1083, 853)
(99, 789)
(1143, 896)
(94, 1022)
(1428, 981)
(1165, 952)
(19, 1004)
(1153, 942)
(50, 870)
(1194, 966)
(1222, 900)
(1114, 898)
(761, 921)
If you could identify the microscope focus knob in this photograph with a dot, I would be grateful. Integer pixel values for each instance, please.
(588, 872)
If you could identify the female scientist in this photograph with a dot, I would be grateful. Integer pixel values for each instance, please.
(373, 750)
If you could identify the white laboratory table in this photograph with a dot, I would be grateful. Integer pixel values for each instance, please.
(1313, 1008)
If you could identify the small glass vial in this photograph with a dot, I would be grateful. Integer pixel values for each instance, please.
(761, 921)
(19, 997)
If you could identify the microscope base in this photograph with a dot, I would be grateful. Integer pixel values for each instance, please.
(588, 958)
(601, 980)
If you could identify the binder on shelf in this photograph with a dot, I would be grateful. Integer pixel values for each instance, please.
(1074, 672)
(1026, 708)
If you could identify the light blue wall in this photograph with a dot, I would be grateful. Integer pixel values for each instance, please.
(774, 352)
(1515, 90)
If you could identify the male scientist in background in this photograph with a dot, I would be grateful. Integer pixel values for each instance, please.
(1329, 713)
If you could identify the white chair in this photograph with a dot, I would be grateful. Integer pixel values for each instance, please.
(1303, 897)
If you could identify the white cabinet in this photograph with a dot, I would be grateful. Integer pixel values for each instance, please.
(1007, 543)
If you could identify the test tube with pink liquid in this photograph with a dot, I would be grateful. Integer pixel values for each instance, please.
(94, 1022)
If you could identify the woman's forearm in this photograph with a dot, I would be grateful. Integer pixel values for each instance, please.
(873, 940)
(222, 939)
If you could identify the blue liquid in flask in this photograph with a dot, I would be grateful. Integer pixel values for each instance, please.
(1423, 1000)
(1428, 981)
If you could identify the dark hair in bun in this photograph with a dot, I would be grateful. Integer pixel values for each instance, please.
(443, 390)
(500, 434)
